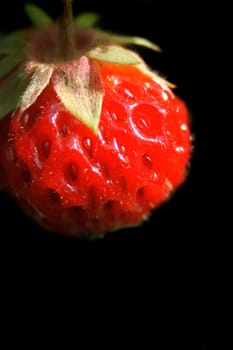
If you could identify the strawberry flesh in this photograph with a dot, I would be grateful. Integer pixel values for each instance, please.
(76, 182)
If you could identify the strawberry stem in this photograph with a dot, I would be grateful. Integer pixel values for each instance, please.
(66, 30)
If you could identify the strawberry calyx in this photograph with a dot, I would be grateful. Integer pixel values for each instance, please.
(31, 59)
(78, 85)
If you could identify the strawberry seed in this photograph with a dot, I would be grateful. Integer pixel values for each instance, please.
(46, 147)
(87, 144)
(26, 174)
(54, 195)
(147, 161)
(73, 171)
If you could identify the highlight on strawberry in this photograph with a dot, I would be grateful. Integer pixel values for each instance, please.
(91, 139)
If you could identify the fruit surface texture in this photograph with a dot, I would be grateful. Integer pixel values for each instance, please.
(83, 180)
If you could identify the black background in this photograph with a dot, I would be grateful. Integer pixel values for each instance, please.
(158, 277)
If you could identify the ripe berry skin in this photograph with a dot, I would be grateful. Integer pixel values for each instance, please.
(74, 182)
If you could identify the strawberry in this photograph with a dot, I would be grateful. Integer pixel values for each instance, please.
(92, 140)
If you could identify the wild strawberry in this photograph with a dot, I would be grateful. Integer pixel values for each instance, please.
(93, 140)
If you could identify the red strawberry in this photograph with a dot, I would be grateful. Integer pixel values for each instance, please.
(91, 143)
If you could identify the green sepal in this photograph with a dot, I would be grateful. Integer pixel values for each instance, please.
(134, 40)
(87, 19)
(39, 79)
(142, 66)
(37, 16)
(13, 83)
(113, 54)
(12, 43)
(7, 63)
(79, 87)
